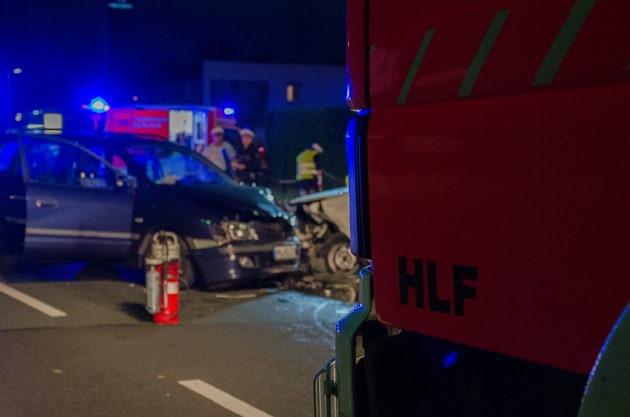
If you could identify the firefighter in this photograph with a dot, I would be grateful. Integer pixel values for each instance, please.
(309, 170)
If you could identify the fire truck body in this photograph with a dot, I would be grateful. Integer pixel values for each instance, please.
(489, 174)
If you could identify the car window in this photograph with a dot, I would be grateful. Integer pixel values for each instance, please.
(58, 163)
(8, 150)
(168, 166)
(114, 159)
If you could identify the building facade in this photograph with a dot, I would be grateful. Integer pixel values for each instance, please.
(254, 89)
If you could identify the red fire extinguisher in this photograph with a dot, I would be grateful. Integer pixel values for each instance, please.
(162, 278)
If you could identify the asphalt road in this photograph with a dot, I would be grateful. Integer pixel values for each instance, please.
(92, 350)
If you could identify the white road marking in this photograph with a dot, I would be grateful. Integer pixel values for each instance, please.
(223, 399)
(31, 302)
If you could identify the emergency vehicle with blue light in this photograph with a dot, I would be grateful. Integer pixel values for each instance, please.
(187, 125)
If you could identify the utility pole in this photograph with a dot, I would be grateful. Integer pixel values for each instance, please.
(14, 71)
(103, 44)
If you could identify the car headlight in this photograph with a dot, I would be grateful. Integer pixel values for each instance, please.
(239, 231)
(225, 232)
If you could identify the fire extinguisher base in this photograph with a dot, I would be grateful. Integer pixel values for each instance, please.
(160, 318)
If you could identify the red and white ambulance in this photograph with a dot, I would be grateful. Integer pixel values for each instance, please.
(187, 125)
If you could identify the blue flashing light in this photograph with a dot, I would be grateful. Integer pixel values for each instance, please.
(228, 111)
(450, 360)
(98, 105)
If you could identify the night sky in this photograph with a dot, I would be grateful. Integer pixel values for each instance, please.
(69, 52)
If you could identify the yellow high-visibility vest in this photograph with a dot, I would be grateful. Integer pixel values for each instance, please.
(306, 168)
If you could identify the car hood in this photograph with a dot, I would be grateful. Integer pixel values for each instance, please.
(242, 203)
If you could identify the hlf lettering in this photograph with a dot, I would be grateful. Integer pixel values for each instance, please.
(415, 281)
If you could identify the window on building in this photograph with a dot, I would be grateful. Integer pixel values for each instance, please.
(293, 92)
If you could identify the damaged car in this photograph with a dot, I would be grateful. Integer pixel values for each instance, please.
(100, 197)
(324, 229)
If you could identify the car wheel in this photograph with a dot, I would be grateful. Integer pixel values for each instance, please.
(7, 263)
(336, 252)
(187, 273)
(7, 260)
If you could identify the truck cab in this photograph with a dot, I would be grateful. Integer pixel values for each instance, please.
(497, 132)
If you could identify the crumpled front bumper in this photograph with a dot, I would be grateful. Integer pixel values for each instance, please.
(245, 262)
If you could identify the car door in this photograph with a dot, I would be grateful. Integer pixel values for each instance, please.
(77, 207)
(12, 203)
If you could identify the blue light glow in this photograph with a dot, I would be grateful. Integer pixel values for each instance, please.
(604, 346)
(228, 111)
(450, 360)
(98, 105)
(120, 4)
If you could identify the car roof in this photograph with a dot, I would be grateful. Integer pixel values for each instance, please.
(104, 138)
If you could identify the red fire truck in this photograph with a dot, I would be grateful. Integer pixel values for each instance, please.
(188, 125)
(489, 172)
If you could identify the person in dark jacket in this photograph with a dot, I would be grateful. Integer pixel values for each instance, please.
(248, 161)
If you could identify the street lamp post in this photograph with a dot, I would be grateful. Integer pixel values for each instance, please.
(10, 115)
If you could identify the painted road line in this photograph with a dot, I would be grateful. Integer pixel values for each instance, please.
(31, 302)
(223, 399)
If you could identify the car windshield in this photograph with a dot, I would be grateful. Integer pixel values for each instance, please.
(165, 165)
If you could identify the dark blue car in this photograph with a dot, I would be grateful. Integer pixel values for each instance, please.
(102, 197)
